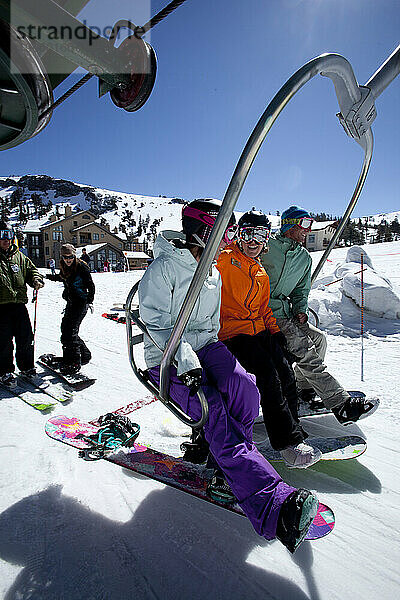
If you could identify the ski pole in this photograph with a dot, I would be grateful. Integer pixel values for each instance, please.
(362, 317)
(35, 300)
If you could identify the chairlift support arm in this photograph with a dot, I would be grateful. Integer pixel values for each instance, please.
(357, 111)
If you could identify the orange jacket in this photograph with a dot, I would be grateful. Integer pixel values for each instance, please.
(245, 295)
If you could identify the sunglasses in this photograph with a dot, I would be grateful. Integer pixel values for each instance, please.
(303, 222)
(69, 257)
(259, 234)
(6, 234)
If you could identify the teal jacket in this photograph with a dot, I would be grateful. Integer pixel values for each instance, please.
(16, 270)
(288, 265)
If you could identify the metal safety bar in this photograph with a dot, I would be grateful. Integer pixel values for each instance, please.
(372, 89)
(133, 316)
(357, 111)
(348, 93)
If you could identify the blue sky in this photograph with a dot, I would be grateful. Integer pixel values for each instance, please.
(220, 62)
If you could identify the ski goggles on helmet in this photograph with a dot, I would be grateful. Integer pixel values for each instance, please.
(260, 234)
(303, 222)
(209, 220)
(6, 234)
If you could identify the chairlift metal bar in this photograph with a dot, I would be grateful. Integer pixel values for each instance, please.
(168, 402)
(335, 67)
(376, 84)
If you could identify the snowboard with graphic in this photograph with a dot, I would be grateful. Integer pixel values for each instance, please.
(77, 381)
(175, 472)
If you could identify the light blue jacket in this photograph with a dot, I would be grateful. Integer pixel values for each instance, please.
(288, 265)
(161, 293)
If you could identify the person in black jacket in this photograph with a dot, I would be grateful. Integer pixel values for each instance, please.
(79, 293)
(85, 256)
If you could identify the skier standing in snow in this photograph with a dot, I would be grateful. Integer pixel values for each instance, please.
(274, 508)
(249, 330)
(85, 257)
(16, 271)
(79, 293)
(288, 264)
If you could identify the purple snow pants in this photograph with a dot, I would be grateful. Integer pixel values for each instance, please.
(233, 402)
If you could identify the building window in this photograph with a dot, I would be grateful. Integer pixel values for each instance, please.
(86, 217)
(75, 223)
(35, 253)
(102, 235)
(57, 236)
(47, 251)
(46, 237)
(96, 236)
(311, 238)
(34, 240)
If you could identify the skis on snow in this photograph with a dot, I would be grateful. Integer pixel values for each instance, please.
(34, 397)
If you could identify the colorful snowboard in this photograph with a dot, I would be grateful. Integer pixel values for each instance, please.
(171, 471)
(78, 381)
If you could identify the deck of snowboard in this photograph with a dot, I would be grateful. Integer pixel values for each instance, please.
(175, 472)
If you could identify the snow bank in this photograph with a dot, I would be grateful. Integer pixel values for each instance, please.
(336, 295)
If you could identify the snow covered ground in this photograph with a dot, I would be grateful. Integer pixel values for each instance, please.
(75, 530)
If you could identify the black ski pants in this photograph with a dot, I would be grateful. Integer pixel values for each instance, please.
(15, 324)
(75, 350)
(262, 356)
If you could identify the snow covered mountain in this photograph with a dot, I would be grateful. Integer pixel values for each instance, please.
(30, 200)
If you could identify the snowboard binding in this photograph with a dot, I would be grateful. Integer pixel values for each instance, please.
(114, 431)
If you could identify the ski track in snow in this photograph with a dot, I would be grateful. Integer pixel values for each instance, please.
(71, 529)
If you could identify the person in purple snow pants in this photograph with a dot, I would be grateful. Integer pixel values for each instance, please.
(274, 508)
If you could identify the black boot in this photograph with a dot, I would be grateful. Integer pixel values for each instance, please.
(309, 397)
(196, 451)
(295, 517)
(355, 408)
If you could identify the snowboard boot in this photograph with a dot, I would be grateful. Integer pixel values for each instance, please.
(300, 456)
(309, 398)
(354, 409)
(8, 380)
(86, 355)
(30, 375)
(196, 451)
(218, 489)
(295, 517)
(70, 368)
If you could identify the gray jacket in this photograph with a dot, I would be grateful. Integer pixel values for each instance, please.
(161, 293)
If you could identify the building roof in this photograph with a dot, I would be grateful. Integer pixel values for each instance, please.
(94, 248)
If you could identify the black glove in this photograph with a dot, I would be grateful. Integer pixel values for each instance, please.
(192, 379)
(280, 339)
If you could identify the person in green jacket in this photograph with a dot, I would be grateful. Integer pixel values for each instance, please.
(16, 271)
(288, 264)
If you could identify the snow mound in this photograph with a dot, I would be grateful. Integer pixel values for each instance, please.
(336, 296)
